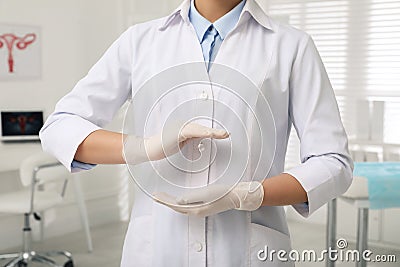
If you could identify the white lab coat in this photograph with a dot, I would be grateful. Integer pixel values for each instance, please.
(284, 63)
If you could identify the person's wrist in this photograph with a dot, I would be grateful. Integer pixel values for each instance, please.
(133, 150)
(251, 195)
(124, 142)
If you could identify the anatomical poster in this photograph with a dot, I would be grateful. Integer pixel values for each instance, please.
(20, 52)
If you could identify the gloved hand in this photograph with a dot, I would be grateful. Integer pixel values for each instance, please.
(138, 150)
(214, 199)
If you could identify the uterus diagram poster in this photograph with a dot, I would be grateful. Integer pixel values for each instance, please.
(20, 52)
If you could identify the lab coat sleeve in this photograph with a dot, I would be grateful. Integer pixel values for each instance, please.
(91, 104)
(326, 168)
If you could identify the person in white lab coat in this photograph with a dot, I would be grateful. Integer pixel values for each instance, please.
(281, 61)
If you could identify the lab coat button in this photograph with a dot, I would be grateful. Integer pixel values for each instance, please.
(204, 95)
(201, 147)
(198, 246)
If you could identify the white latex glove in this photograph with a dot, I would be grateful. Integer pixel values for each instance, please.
(138, 150)
(214, 199)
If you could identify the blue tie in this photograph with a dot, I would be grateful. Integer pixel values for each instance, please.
(208, 45)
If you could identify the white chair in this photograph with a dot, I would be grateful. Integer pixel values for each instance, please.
(34, 200)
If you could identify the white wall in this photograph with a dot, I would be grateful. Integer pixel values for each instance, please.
(74, 35)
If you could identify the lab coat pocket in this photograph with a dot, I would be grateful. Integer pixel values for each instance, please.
(138, 243)
(268, 247)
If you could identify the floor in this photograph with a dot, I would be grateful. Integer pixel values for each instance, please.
(108, 240)
(107, 243)
(312, 237)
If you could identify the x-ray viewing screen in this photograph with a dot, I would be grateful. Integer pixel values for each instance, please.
(21, 125)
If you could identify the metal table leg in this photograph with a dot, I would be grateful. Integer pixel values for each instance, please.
(82, 210)
(362, 234)
(331, 230)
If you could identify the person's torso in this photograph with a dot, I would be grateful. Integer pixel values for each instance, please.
(251, 56)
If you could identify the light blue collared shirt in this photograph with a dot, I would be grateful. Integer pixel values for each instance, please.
(211, 35)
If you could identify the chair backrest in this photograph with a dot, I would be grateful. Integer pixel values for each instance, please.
(33, 164)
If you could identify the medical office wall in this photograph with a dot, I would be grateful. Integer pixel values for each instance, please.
(73, 35)
(69, 44)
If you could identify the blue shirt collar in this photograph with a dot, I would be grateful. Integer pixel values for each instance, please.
(223, 25)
